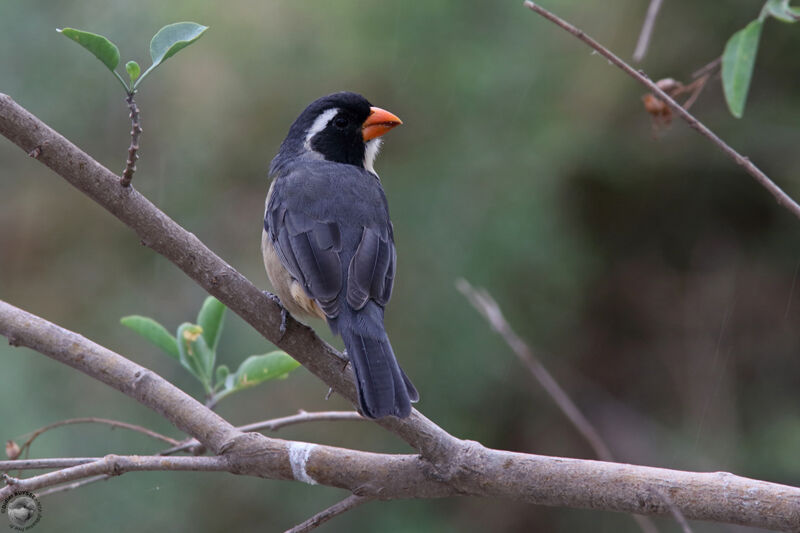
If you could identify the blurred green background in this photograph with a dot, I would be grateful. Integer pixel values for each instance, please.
(655, 278)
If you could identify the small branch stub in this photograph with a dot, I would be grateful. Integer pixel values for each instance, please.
(136, 131)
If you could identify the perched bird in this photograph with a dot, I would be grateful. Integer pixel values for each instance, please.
(328, 243)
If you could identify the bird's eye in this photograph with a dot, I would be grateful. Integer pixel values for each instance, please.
(340, 122)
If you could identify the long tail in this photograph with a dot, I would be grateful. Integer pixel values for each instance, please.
(383, 388)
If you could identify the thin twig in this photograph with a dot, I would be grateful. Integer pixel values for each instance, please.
(72, 486)
(95, 420)
(275, 424)
(781, 197)
(710, 67)
(676, 513)
(647, 30)
(42, 464)
(115, 465)
(136, 130)
(487, 306)
(301, 417)
(323, 516)
(483, 302)
(265, 425)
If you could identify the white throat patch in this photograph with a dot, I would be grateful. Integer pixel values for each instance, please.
(372, 149)
(319, 125)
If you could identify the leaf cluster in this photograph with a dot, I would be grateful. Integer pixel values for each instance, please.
(167, 42)
(195, 345)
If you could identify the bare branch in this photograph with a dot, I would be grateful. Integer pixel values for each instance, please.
(150, 389)
(710, 67)
(781, 197)
(647, 30)
(487, 306)
(95, 420)
(676, 513)
(334, 510)
(72, 486)
(301, 418)
(483, 302)
(275, 424)
(471, 470)
(43, 464)
(114, 465)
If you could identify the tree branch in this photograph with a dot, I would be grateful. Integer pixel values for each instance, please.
(334, 510)
(275, 424)
(184, 249)
(781, 197)
(449, 467)
(647, 30)
(95, 420)
(483, 302)
(114, 465)
(488, 307)
(44, 464)
(471, 470)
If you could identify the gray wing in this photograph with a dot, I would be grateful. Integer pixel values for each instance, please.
(309, 249)
(371, 271)
(309, 219)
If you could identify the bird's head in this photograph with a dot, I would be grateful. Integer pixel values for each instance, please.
(342, 127)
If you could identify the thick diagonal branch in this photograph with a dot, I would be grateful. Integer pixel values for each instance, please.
(187, 252)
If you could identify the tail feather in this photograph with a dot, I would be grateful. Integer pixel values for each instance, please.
(383, 388)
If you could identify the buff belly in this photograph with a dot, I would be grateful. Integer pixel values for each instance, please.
(289, 290)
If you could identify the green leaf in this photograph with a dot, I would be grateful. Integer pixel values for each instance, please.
(221, 375)
(102, 48)
(169, 40)
(210, 318)
(133, 70)
(259, 368)
(738, 61)
(154, 332)
(173, 38)
(781, 10)
(195, 355)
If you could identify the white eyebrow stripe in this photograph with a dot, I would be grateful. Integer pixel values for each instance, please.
(319, 125)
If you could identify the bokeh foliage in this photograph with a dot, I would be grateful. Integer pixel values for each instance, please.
(657, 279)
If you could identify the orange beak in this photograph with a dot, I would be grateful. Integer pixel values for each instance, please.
(378, 122)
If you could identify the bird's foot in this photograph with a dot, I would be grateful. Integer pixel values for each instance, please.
(284, 312)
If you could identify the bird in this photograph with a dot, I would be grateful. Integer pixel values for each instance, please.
(328, 242)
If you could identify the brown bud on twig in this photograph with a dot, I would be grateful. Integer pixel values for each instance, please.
(12, 450)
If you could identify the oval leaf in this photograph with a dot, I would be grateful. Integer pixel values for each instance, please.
(132, 67)
(154, 332)
(738, 61)
(102, 48)
(195, 355)
(259, 368)
(781, 10)
(172, 38)
(210, 318)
